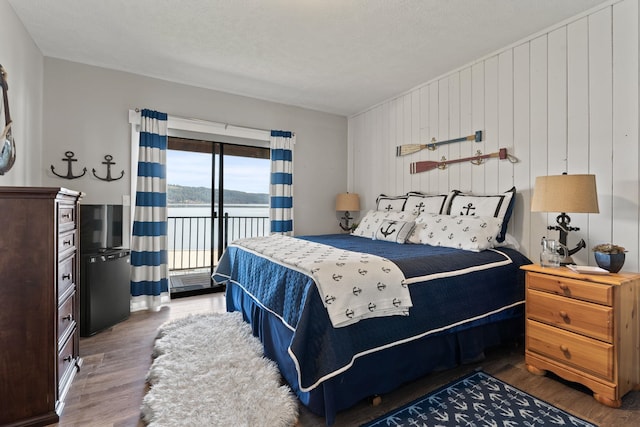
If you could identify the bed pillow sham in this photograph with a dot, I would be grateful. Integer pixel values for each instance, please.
(468, 232)
(390, 203)
(419, 203)
(496, 205)
(395, 231)
(371, 222)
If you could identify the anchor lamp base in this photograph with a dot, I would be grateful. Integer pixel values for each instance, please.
(344, 221)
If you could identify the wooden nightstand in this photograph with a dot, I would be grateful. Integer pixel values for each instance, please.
(584, 328)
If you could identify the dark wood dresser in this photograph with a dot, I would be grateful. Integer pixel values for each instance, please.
(39, 305)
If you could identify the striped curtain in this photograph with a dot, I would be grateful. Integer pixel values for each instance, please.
(281, 192)
(149, 268)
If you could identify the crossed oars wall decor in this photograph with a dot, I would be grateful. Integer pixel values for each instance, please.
(478, 159)
(403, 150)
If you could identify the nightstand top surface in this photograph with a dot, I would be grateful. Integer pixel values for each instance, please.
(610, 279)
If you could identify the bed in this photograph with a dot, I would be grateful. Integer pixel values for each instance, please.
(464, 298)
(459, 310)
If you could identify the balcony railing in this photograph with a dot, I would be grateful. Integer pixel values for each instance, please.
(189, 238)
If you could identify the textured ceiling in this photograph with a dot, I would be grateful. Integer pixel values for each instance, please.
(338, 56)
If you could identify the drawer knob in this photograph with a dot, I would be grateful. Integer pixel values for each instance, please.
(69, 358)
(68, 317)
(66, 242)
(563, 314)
(66, 216)
(564, 286)
(66, 276)
(564, 348)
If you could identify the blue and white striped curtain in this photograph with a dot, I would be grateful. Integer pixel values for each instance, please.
(281, 192)
(149, 267)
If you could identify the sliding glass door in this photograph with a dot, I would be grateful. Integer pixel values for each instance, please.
(217, 193)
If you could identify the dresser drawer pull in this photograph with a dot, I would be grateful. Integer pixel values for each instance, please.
(564, 286)
(66, 276)
(66, 242)
(68, 317)
(564, 315)
(564, 348)
(68, 358)
(66, 216)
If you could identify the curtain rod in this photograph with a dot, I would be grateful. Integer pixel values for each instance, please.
(206, 126)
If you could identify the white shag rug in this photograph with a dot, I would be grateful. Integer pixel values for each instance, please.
(209, 370)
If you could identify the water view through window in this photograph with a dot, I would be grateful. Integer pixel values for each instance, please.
(196, 234)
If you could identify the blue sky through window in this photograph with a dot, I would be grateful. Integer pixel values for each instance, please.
(241, 173)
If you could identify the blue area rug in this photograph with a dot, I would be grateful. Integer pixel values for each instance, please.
(477, 399)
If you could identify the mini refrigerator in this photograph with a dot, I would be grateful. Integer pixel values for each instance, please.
(104, 290)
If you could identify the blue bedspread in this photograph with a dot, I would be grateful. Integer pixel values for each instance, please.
(450, 289)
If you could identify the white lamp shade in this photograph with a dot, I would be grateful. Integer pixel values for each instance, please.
(348, 202)
(565, 193)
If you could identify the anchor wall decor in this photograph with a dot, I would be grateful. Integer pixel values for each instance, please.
(69, 159)
(478, 159)
(403, 150)
(108, 162)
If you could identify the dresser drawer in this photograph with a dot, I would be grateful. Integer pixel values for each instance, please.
(66, 320)
(593, 320)
(578, 289)
(66, 274)
(67, 359)
(66, 217)
(66, 242)
(585, 354)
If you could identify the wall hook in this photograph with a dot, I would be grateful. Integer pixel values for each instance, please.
(69, 159)
(108, 162)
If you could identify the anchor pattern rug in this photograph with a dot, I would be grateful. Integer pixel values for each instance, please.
(478, 399)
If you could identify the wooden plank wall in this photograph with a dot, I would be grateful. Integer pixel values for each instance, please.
(565, 99)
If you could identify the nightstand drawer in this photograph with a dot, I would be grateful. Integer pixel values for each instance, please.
(586, 354)
(593, 320)
(578, 289)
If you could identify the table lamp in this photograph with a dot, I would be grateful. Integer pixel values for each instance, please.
(347, 202)
(565, 194)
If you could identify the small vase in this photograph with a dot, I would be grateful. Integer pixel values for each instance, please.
(610, 262)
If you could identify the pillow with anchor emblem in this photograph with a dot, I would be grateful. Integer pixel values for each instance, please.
(471, 233)
(373, 220)
(496, 205)
(394, 230)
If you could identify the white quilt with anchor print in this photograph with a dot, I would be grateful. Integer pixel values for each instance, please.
(353, 285)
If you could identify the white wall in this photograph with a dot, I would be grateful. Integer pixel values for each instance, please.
(566, 99)
(86, 111)
(24, 65)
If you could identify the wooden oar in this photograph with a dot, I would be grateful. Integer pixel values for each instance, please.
(403, 150)
(427, 165)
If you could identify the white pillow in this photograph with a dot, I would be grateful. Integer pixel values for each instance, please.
(373, 219)
(496, 205)
(472, 233)
(394, 230)
(425, 203)
(390, 204)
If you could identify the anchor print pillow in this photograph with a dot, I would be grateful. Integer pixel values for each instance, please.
(418, 203)
(496, 205)
(471, 233)
(394, 230)
(390, 204)
(373, 220)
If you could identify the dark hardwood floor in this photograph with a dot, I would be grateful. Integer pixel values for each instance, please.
(109, 388)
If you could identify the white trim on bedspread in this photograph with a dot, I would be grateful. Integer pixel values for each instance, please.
(353, 285)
